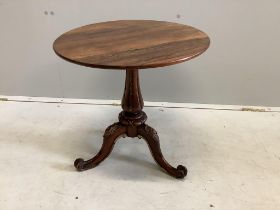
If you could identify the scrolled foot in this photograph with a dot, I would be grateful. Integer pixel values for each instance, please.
(79, 164)
(181, 172)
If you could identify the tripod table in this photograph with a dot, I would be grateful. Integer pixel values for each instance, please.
(131, 45)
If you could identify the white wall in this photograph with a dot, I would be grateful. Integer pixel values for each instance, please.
(240, 67)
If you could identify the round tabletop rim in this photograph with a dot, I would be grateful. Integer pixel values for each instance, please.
(123, 67)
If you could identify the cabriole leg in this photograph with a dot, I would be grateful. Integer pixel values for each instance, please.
(152, 139)
(109, 139)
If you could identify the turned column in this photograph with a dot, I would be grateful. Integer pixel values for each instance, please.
(132, 103)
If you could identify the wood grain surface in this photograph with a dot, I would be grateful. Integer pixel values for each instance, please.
(131, 44)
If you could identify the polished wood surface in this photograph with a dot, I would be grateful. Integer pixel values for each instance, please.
(131, 44)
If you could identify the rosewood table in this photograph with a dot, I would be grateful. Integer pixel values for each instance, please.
(131, 45)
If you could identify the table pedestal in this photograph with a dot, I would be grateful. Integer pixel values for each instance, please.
(132, 124)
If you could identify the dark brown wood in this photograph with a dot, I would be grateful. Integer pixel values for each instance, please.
(151, 137)
(109, 138)
(131, 44)
(132, 101)
(131, 123)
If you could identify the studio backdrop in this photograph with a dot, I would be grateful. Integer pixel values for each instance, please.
(240, 67)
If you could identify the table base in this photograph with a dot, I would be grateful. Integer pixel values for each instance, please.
(132, 124)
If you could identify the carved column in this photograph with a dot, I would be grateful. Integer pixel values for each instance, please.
(132, 103)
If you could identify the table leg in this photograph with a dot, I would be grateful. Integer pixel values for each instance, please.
(152, 139)
(109, 139)
(131, 123)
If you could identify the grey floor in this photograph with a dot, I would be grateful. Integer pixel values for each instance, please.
(233, 158)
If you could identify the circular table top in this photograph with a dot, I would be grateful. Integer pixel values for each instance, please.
(131, 44)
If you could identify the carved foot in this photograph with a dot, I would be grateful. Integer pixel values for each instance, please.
(109, 139)
(181, 171)
(152, 139)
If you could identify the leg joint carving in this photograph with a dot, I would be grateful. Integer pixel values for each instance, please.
(112, 129)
